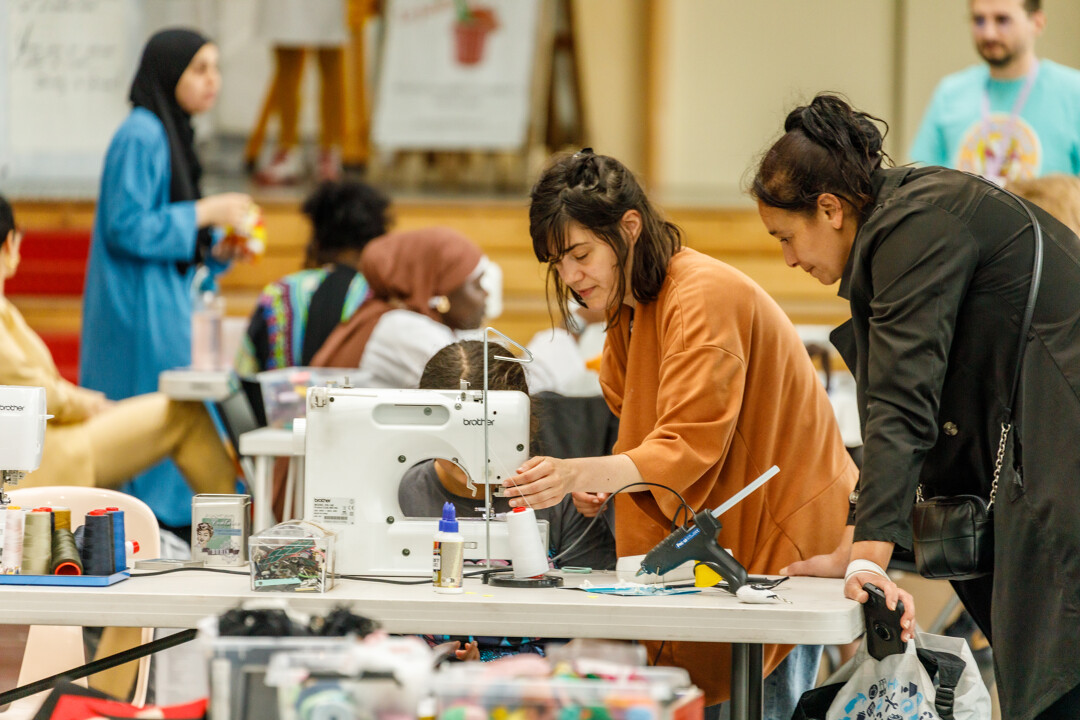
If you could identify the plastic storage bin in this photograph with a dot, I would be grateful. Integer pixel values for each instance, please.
(284, 391)
(293, 556)
(465, 692)
(381, 678)
(238, 689)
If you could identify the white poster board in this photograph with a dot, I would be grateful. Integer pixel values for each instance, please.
(445, 84)
(65, 70)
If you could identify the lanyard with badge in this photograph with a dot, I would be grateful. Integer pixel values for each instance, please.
(997, 152)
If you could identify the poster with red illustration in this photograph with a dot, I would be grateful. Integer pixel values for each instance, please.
(456, 74)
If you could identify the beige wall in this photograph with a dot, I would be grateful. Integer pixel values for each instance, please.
(731, 70)
(725, 72)
(612, 60)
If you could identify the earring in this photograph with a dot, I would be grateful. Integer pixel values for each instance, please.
(440, 304)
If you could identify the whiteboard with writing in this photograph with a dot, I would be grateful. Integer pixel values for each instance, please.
(452, 81)
(65, 71)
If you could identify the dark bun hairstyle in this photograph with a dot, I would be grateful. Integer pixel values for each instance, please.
(827, 147)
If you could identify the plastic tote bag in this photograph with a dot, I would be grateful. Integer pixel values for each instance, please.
(934, 678)
(897, 686)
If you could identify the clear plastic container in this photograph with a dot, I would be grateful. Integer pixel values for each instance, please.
(284, 391)
(237, 667)
(380, 678)
(206, 332)
(293, 556)
(465, 691)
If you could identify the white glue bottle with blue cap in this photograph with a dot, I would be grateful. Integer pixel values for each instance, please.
(448, 561)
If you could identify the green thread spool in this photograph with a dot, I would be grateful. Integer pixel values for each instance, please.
(61, 518)
(37, 544)
(65, 556)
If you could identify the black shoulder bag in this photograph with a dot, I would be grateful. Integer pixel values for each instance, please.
(953, 536)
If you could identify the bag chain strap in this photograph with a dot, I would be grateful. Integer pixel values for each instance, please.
(1005, 427)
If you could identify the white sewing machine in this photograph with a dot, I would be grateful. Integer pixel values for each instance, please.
(359, 442)
(22, 433)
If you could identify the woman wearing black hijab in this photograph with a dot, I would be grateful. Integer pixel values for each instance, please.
(151, 229)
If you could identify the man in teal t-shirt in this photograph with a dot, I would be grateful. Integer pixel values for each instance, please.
(1014, 117)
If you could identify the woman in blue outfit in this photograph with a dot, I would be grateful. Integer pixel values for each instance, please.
(151, 230)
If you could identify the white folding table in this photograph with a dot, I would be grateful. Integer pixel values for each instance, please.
(817, 613)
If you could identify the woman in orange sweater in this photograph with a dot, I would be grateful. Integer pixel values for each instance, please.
(712, 386)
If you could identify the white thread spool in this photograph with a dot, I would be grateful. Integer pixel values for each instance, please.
(13, 540)
(527, 551)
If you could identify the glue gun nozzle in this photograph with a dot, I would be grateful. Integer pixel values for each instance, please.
(640, 572)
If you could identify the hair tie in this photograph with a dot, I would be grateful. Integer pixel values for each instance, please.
(586, 172)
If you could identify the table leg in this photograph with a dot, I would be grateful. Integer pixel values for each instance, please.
(260, 489)
(747, 702)
(740, 664)
(755, 697)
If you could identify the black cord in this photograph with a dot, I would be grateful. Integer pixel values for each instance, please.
(588, 528)
(656, 658)
(425, 581)
(182, 569)
(364, 578)
(388, 581)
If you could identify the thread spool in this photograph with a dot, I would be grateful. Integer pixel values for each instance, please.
(52, 519)
(65, 556)
(61, 518)
(15, 523)
(119, 549)
(37, 543)
(98, 553)
(527, 552)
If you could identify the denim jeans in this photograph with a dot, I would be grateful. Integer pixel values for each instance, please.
(783, 687)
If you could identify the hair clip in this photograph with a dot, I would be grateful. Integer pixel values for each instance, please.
(583, 152)
(440, 304)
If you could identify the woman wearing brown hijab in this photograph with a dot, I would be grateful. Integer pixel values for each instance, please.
(425, 287)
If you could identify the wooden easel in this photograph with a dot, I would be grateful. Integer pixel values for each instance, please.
(556, 122)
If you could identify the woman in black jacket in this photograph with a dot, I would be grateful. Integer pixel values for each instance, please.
(937, 266)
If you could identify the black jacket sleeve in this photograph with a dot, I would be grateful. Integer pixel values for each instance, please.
(920, 260)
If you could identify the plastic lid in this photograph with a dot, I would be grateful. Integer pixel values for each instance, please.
(519, 509)
(112, 509)
(449, 521)
(96, 512)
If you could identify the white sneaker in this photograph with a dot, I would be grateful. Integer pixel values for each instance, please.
(286, 168)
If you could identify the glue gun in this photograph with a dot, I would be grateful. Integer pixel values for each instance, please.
(698, 542)
(695, 542)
